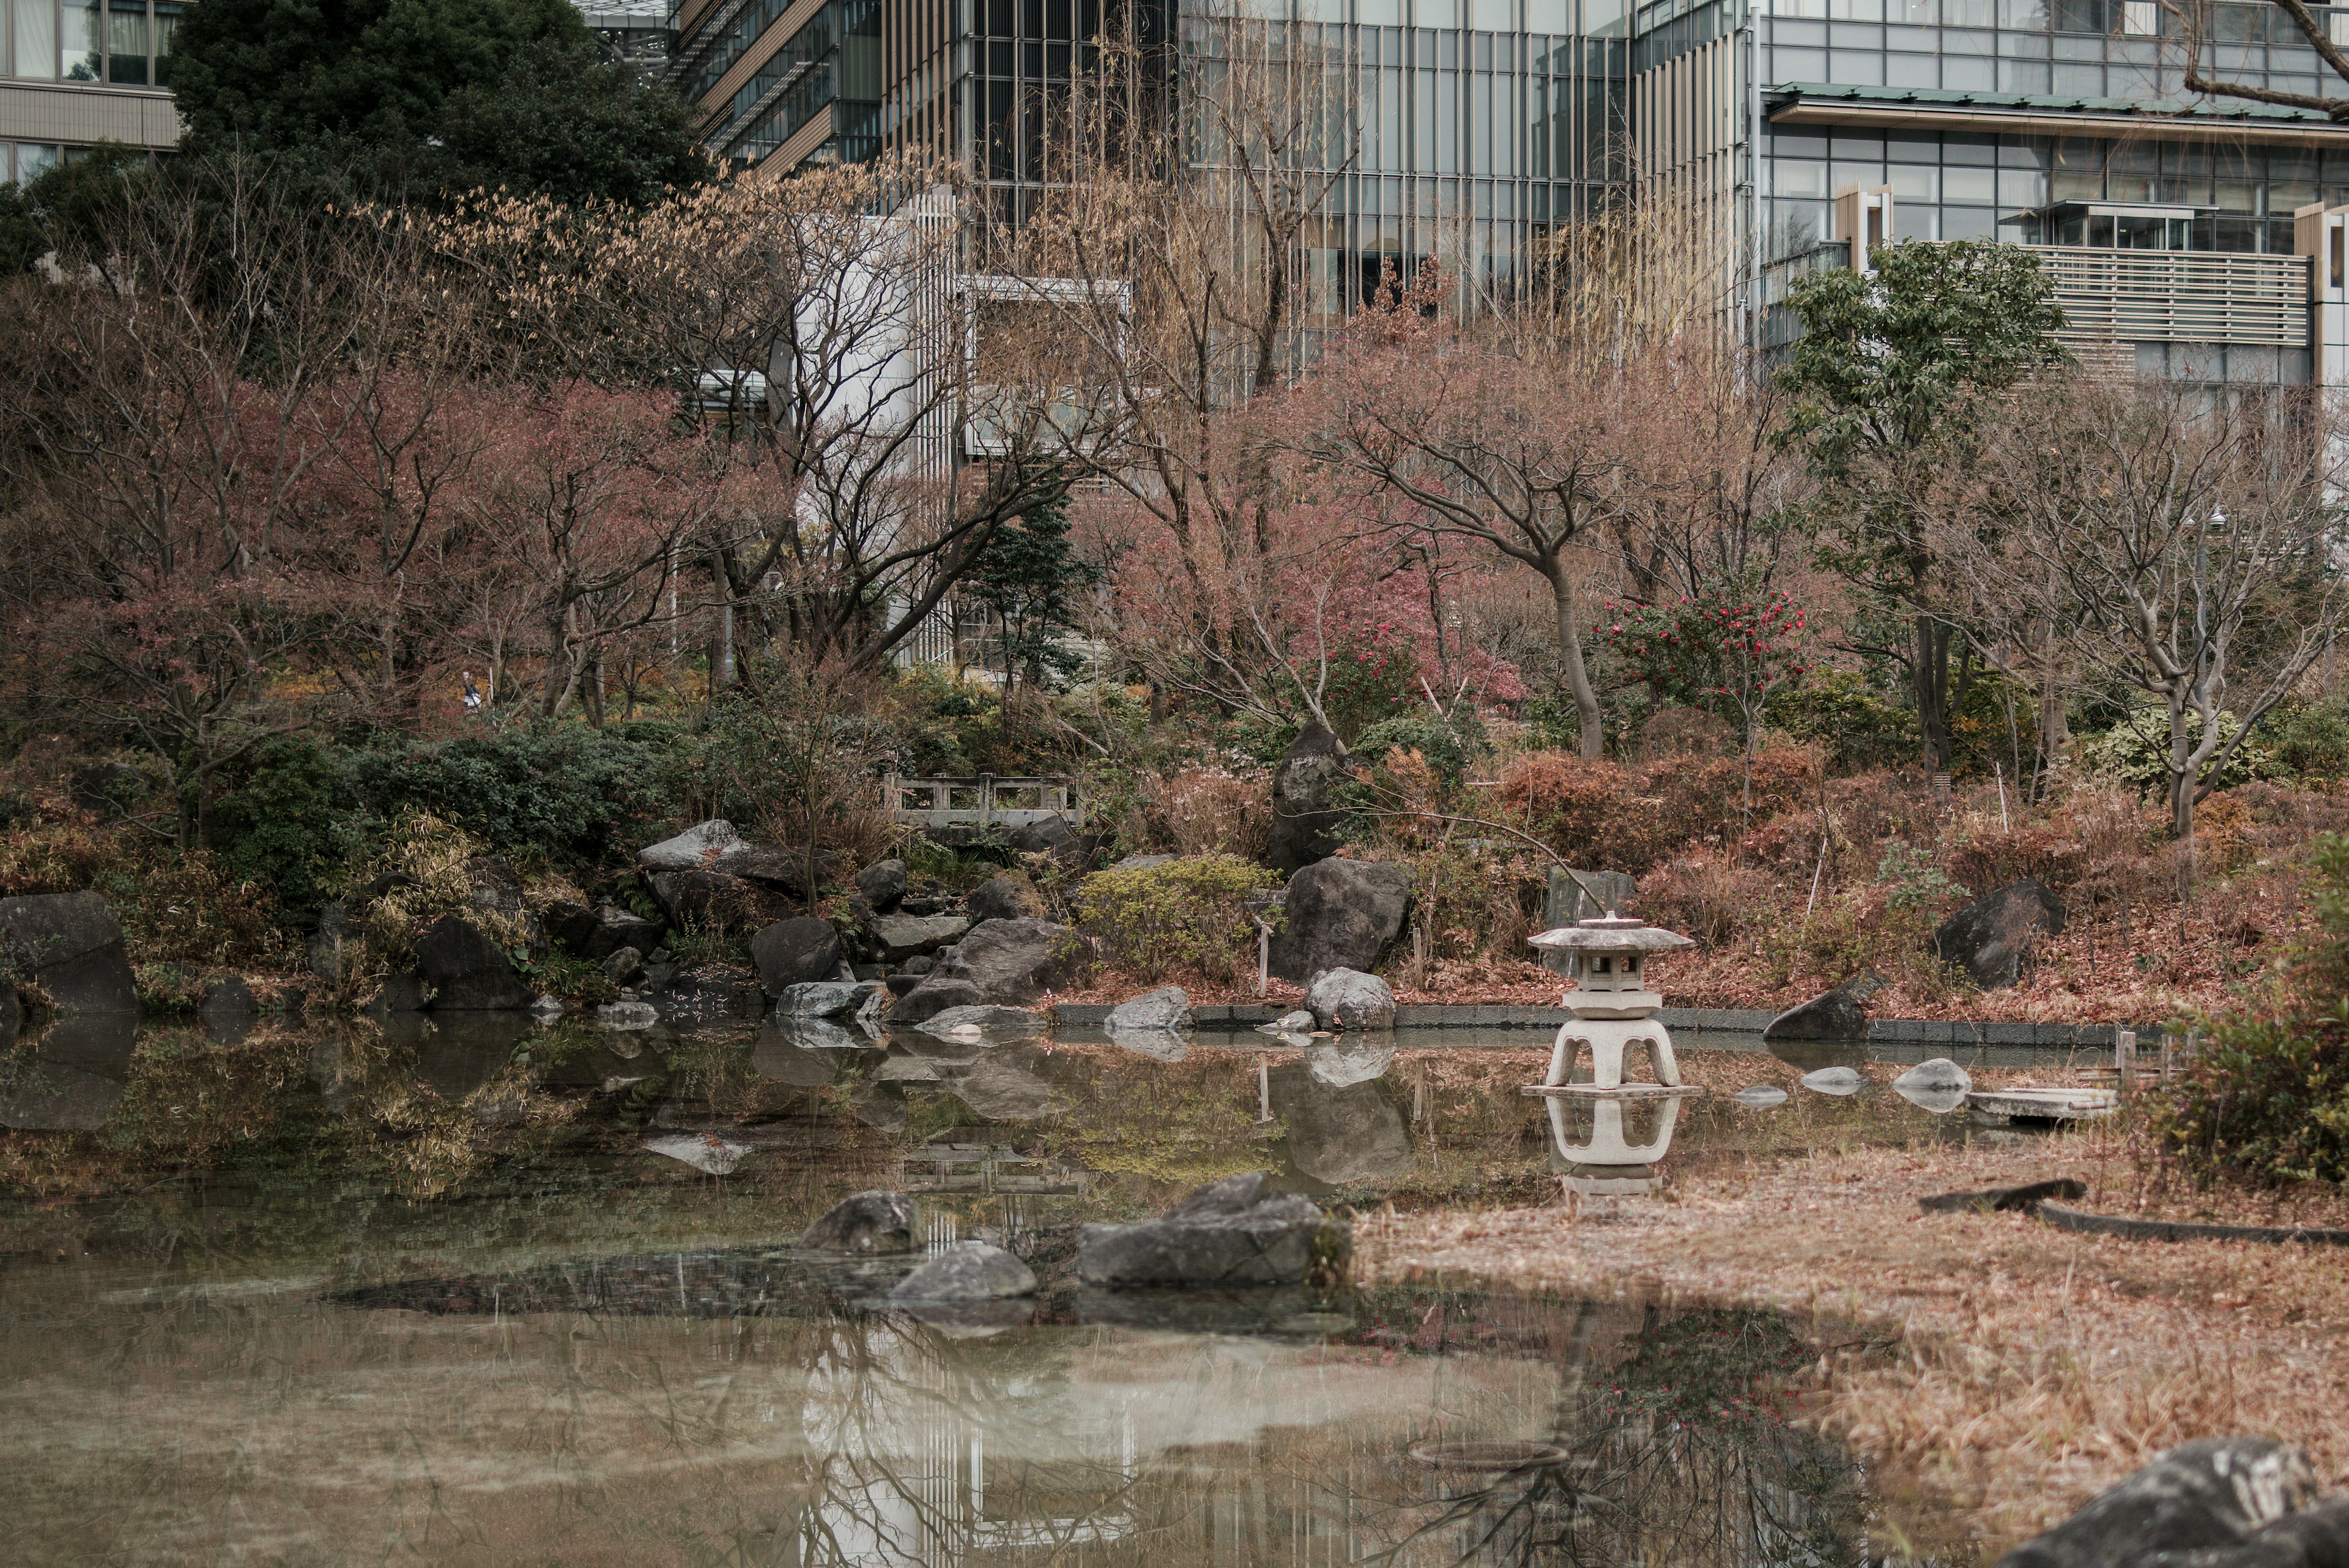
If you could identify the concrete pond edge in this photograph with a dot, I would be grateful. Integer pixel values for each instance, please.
(2083, 1222)
(1740, 1020)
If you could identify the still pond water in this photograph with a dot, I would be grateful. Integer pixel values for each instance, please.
(431, 1295)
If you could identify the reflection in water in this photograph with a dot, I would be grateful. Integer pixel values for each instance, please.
(1610, 1144)
(748, 1405)
(1339, 1136)
(67, 1076)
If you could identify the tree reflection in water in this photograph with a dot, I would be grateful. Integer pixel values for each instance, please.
(1415, 1429)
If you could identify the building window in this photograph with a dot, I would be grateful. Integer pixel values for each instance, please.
(126, 42)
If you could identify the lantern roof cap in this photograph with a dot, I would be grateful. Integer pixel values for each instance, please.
(1611, 934)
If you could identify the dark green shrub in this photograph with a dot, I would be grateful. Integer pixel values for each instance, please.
(2309, 741)
(1859, 726)
(1447, 746)
(2269, 1098)
(573, 793)
(290, 823)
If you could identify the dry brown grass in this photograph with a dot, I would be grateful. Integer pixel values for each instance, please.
(2036, 1366)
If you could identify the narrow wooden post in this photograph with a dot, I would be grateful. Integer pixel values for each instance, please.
(2125, 1060)
(2168, 1054)
(986, 799)
(1263, 956)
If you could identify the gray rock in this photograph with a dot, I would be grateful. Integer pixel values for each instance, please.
(967, 1271)
(1760, 1097)
(984, 1022)
(867, 1222)
(1232, 1233)
(822, 998)
(1992, 938)
(70, 1075)
(600, 933)
(1348, 999)
(468, 973)
(1342, 1067)
(1009, 896)
(1158, 1045)
(1007, 962)
(1167, 1009)
(12, 1012)
(697, 849)
(1837, 1014)
(226, 1000)
(883, 883)
(804, 1053)
(2221, 1502)
(627, 1014)
(1143, 862)
(1940, 1085)
(1343, 1136)
(622, 966)
(902, 936)
(1564, 903)
(795, 952)
(1298, 1023)
(403, 994)
(1002, 1091)
(548, 1008)
(1340, 914)
(71, 947)
(1304, 827)
(706, 1152)
(326, 944)
(1054, 836)
(1833, 1081)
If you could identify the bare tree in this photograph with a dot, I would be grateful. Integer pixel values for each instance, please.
(2173, 544)
(2200, 39)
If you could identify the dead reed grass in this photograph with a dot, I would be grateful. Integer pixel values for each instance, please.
(2034, 1366)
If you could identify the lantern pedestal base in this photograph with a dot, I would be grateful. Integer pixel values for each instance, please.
(1608, 1040)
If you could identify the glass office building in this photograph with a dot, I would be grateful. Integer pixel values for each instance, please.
(1476, 124)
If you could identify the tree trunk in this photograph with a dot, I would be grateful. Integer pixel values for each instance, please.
(1569, 650)
(1930, 684)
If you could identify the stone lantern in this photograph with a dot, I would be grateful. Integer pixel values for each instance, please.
(1611, 1003)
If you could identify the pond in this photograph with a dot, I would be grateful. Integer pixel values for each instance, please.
(431, 1294)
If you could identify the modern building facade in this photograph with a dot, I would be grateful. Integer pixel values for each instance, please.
(77, 72)
(1474, 125)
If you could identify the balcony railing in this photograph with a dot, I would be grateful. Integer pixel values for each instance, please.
(2180, 296)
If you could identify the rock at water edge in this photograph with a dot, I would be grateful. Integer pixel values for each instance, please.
(1232, 1233)
(468, 973)
(966, 1272)
(1348, 999)
(71, 946)
(1340, 914)
(1010, 897)
(1833, 1081)
(1839, 1014)
(706, 1152)
(1007, 962)
(1166, 1009)
(867, 1222)
(2228, 1496)
(795, 952)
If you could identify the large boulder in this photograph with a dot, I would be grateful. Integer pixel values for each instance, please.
(2219, 1502)
(1166, 1009)
(966, 1272)
(1304, 826)
(600, 933)
(71, 1075)
(1348, 999)
(1837, 1014)
(882, 885)
(1236, 1231)
(1340, 914)
(468, 973)
(1991, 938)
(70, 946)
(1010, 897)
(902, 936)
(1347, 1135)
(866, 1223)
(795, 952)
(709, 900)
(1564, 903)
(1008, 962)
(697, 849)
